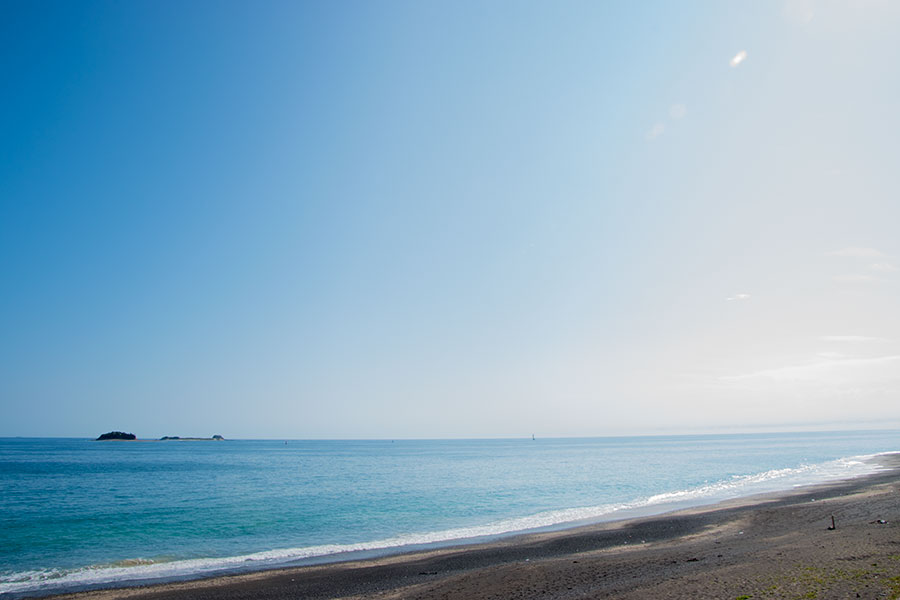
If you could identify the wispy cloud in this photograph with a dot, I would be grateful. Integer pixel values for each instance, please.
(873, 273)
(799, 11)
(857, 252)
(856, 278)
(883, 267)
(738, 297)
(838, 371)
(851, 338)
(677, 111)
(738, 58)
(656, 131)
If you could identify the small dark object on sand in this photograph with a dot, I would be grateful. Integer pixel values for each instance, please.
(832, 528)
(879, 522)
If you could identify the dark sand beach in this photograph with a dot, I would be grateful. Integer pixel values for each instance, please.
(773, 546)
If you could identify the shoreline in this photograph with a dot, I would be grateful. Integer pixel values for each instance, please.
(738, 543)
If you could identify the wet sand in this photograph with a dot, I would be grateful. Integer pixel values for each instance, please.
(771, 546)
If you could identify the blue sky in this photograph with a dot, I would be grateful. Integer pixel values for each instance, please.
(421, 219)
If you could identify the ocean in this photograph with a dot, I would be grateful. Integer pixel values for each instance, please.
(78, 514)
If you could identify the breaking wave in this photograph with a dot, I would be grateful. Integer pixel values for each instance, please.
(141, 569)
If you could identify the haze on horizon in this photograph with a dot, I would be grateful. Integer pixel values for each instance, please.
(458, 219)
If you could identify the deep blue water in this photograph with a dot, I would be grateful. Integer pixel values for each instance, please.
(77, 513)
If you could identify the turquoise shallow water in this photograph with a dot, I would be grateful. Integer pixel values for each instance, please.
(76, 513)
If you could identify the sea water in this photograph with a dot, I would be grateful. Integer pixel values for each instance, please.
(77, 514)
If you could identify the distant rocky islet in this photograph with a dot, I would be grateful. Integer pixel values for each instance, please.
(116, 435)
(121, 435)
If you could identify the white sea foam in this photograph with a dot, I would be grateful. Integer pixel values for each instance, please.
(143, 569)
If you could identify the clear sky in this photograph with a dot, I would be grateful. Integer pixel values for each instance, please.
(456, 219)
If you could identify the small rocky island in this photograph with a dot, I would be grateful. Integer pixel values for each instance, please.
(120, 435)
(116, 435)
